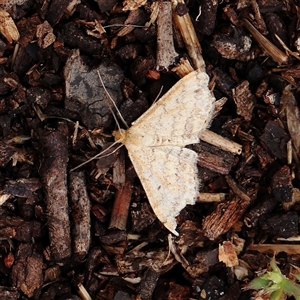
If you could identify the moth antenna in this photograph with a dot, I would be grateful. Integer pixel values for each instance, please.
(114, 104)
(116, 120)
(158, 95)
(120, 146)
(99, 155)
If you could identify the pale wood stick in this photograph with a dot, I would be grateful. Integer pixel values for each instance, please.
(271, 248)
(211, 197)
(276, 54)
(220, 142)
(84, 295)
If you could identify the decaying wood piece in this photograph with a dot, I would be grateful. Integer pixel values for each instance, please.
(236, 45)
(191, 236)
(148, 284)
(278, 146)
(237, 190)
(21, 187)
(95, 257)
(142, 216)
(203, 260)
(114, 242)
(294, 201)
(214, 159)
(120, 210)
(154, 14)
(293, 71)
(263, 155)
(177, 291)
(292, 114)
(16, 228)
(27, 272)
(224, 217)
(223, 81)
(56, 10)
(244, 100)
(166, 53)
(260, 23)
(226, 214)
(280, 225)
(263, 206)
(278, 32)
(185, 25)
(78, 39)
(80, 205)
(9, 293)
(207, 16)
(53, 172)
(135, 17)
(137, 260)
(44, 34)
(133, 4)
(6, 153)
(282, 187)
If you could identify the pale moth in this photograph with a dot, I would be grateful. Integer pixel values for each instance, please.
(156, 141)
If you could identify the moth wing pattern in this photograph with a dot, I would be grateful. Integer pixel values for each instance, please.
(169, 177)
(182, 113)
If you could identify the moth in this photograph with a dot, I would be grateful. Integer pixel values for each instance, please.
(156, 146)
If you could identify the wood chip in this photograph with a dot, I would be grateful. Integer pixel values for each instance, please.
(227, 254)
(8, 27)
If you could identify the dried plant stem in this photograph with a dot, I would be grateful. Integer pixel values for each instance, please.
(211, 197)
(220, 142)
(271, 248)
(276, 54)
(186, 28)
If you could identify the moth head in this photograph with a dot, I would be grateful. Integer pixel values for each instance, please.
(119, 135)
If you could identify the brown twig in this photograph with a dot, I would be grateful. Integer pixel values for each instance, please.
(53, 170)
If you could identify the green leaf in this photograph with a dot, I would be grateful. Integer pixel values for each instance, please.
(258, 283)
(297, 276)
(275, 277)
(277, 295)
(274, 266)
(290, 288)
